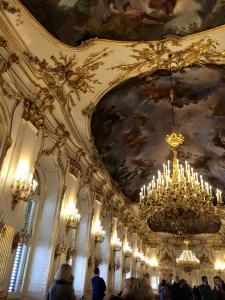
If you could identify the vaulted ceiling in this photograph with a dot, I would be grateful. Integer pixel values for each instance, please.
(130, 124)
(132, 116)
(74, 21)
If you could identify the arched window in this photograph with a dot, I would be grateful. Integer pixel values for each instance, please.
(22, 250)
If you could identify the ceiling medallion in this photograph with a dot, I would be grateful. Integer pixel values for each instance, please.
(178, 200)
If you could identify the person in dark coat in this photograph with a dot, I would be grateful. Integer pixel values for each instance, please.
(186, 290)
(205, 291)
(98, 286)
(164, 293)
(176, 289)
(196, 293)
(62, 288)
(218, 291)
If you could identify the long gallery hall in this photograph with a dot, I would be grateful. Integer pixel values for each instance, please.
(112, 149)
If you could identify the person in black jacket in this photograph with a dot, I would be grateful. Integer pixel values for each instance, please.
(176, 289)
(205, 291)
(186, 290)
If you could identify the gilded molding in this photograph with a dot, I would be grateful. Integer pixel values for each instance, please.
(58, 148)
(75, 163)
(159, 55)
(88, 175)
(98, 261)
(88, 110)
(3, 229)
(70, 253)
(62, 134)
(60, 249)
(75, 167)
(5, 64)
(3, 42)
(8, 7)
(16, 241)
(91, 260)
(34, 109)
(65, 71)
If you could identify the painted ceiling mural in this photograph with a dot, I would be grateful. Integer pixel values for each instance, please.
(130, 124)
(74, 21)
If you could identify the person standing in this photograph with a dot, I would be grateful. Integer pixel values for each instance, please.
(62, 288)
(186, 291)
(204, 290)
(176, 289)
(164, 291)
(98, 286)
(218, 291)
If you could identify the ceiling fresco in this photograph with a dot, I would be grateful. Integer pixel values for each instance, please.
(74, 21)
(130, 124)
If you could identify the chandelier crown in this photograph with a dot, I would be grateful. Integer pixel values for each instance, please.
(175, 139)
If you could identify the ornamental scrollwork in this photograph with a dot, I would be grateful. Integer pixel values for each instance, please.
(60, 249)
(3, 229)
(159, 55)
(5, 65)
(88, 110)
(70, 253)
(34, 109)
(65, 71)
(10, 8)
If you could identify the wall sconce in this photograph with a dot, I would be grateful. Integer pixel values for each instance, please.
(98, 232)
(24, 186)
(117, 244)
(60, 249)
(72, 220)
(219, 266)
(127, 249)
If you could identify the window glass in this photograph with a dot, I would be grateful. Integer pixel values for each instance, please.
(22, 250)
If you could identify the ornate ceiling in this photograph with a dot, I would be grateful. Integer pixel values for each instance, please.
(74, 21)
(130, 124)
(131, 121)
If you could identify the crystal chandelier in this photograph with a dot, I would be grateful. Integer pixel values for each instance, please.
(187, 259)
(178, 200)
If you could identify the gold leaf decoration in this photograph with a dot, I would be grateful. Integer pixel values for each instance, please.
(167, 54)
(65, 71)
